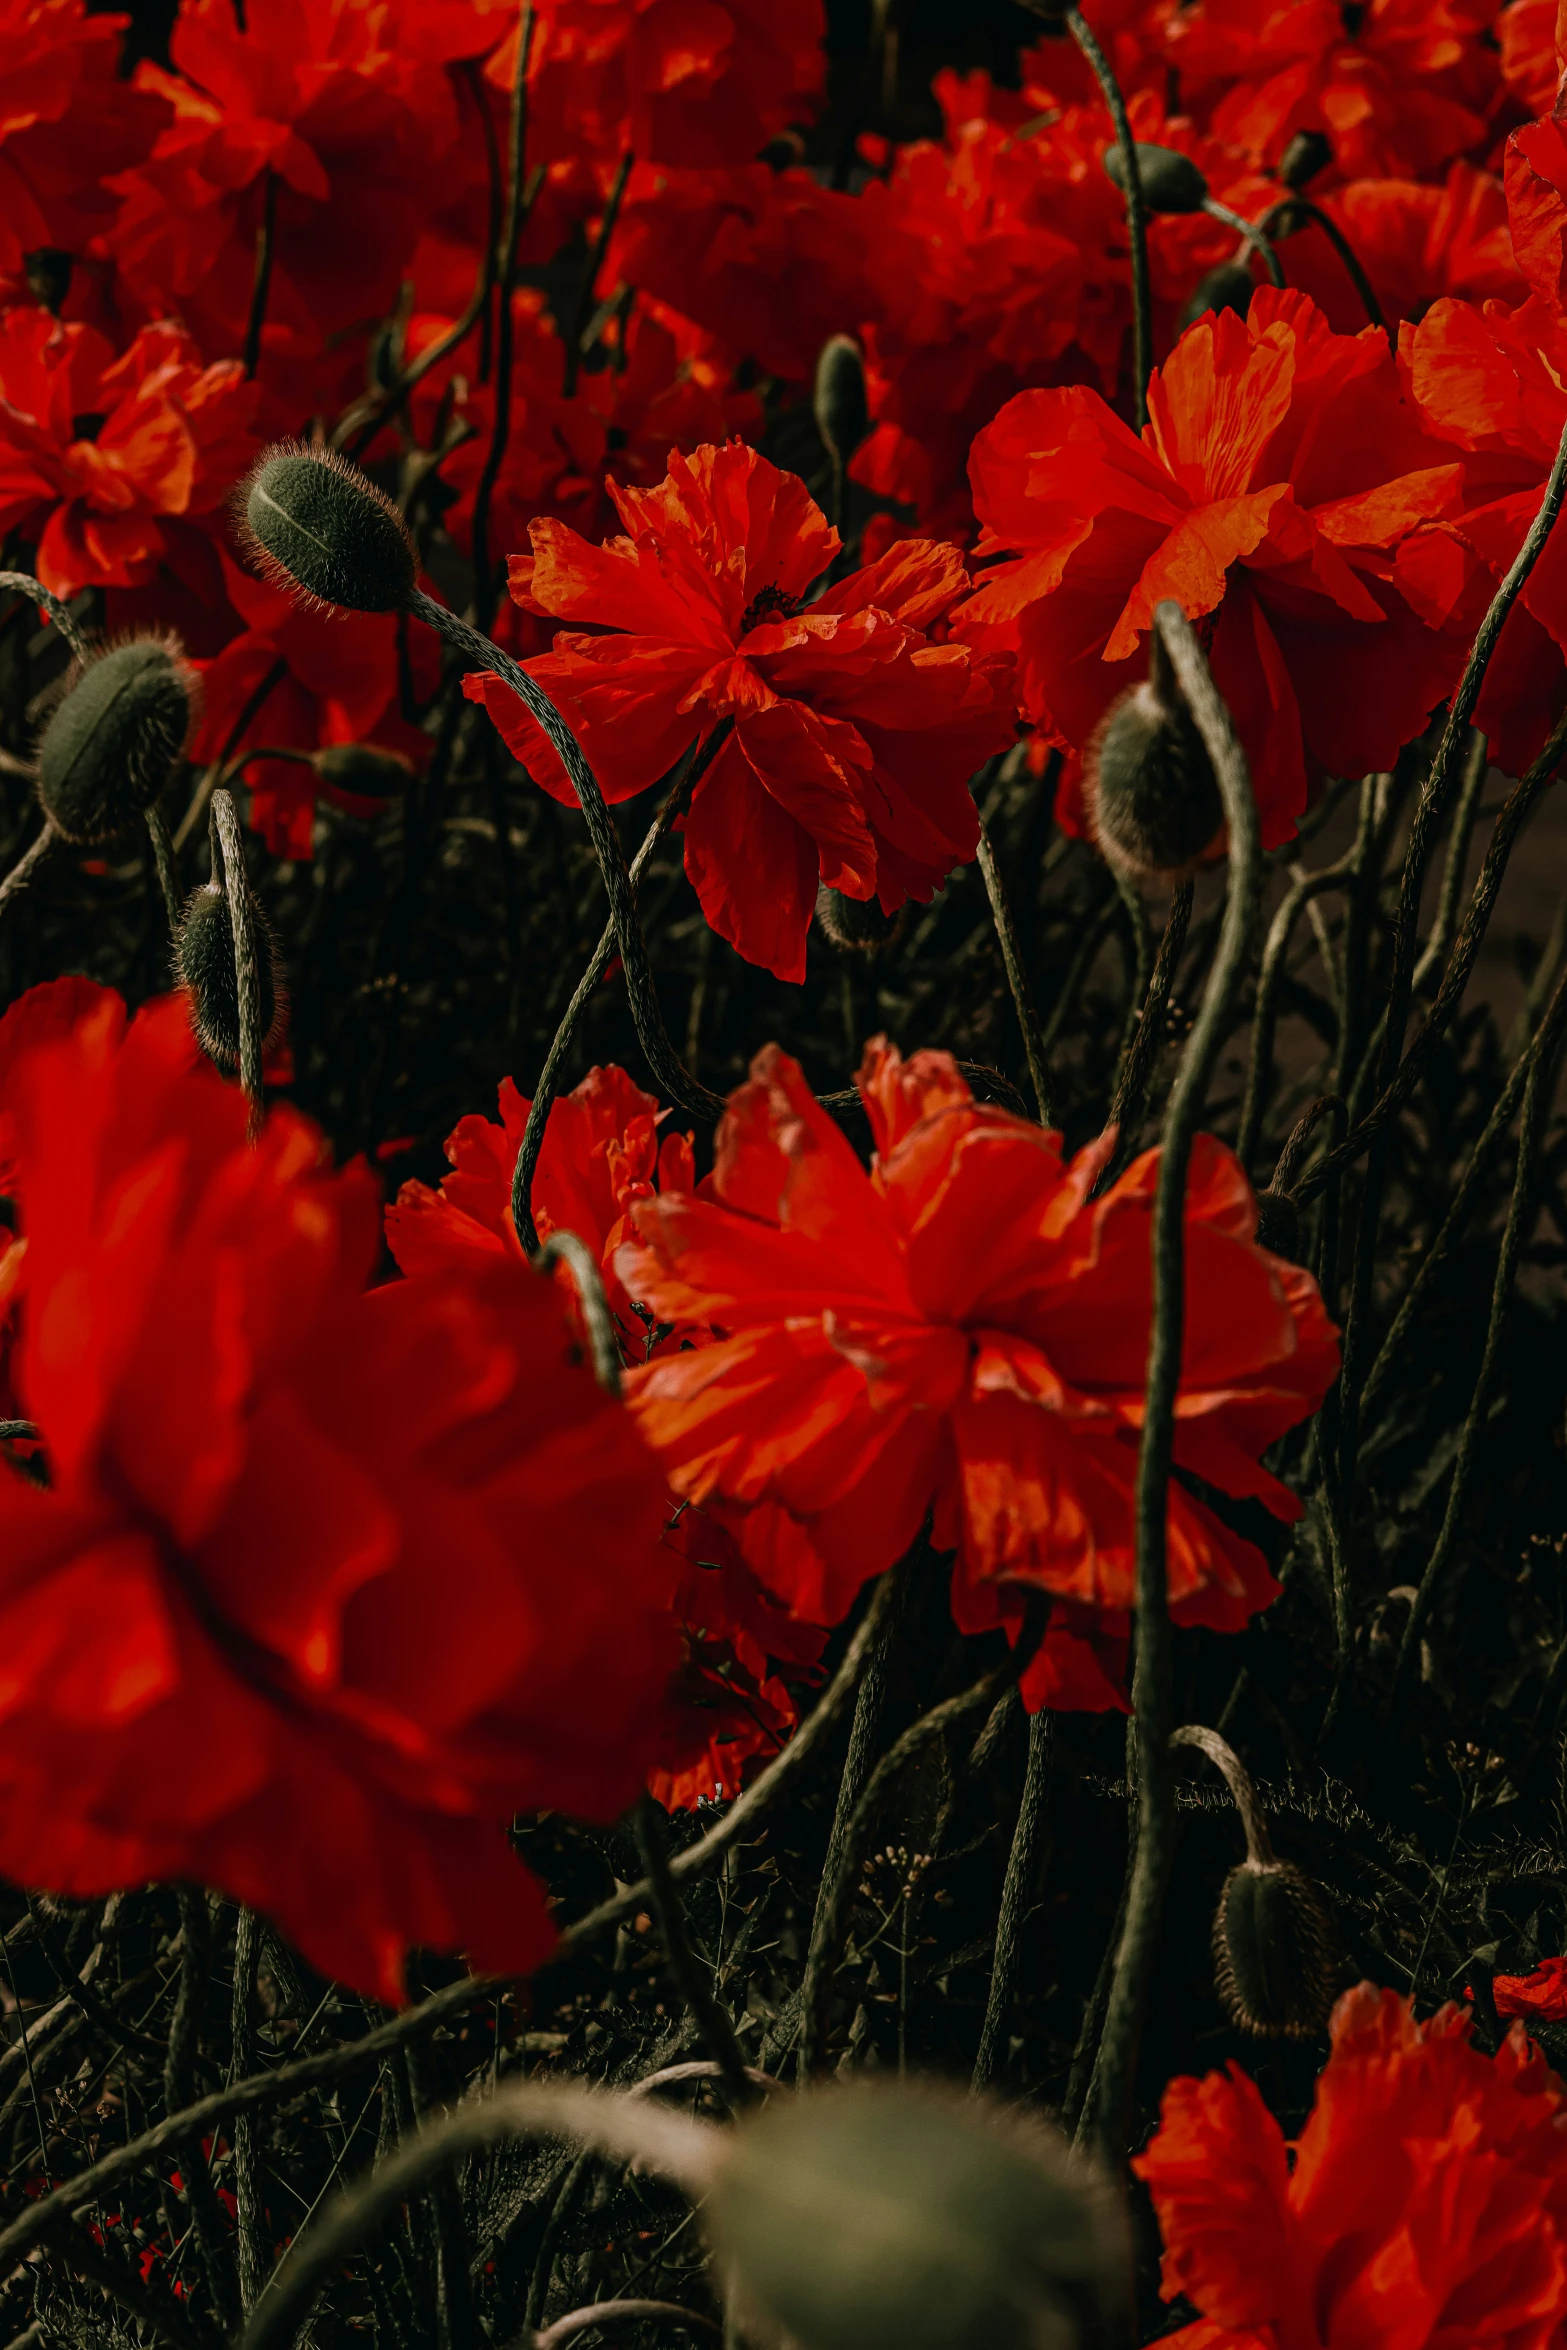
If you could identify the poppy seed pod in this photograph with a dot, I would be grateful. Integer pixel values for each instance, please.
(1149, 788)
(1275, 1951)
(1171, 181)
(204, 968)
(856, 926)
(362, 769)
(112, 742)
(1228, 287)
(881, 2218)
(842, 410)
(1307, 154)
(316, 524)
(1278, 1224)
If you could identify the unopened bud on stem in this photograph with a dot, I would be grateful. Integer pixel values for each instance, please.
(842, 409)
(1171, 181)
(1148, 783)
(114, 738)
(316, 524)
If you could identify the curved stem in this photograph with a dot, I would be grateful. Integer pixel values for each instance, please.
(582, 309)
(673, 2145)
(1137, 1062)
(686, 1968)
(479, 653)
(27, 863)
(1254, 233)
(544, 1092)
(1341, 246)
(869, 1707)
(1265, 1016)
(832, 1909)
(484, 585)
(24, 584)
(1464, 814)
(1220, 1752)
(216, 773)
(566, 1248)
(1151, 1687)
(1022, 1865)
(1136, 213)
(1017, 976)
(247, 968)
(163, 858)
(261, 284)
(612, 2313)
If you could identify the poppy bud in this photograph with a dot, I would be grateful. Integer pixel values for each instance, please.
(1149, 788)
(204, 968)
(882, 2218)
(842, 413)
(1275, 1952)
(1307, 154)
(1278, 1224)
(362, 769)
(110, 746)
(1229, 287)
(315, 523)
(1171, 181)
(857, 926)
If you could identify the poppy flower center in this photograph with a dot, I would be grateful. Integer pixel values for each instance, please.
(770, 603)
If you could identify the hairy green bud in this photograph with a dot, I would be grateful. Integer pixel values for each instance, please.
(1149, 788)
(362, 769)
(842, 411)
(1307, 154)
(315, 524)
(1171, 181)
(204, 968)
(873, 2217)
(856, 926)
(1275, 1951)
(1229, 287)
(113, 739)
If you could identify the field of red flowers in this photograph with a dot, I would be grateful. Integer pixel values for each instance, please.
(783, 1363)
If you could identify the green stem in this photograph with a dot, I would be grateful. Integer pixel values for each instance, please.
(1017, 977)
(1016, 1890)
(1136, 213)
(247, 967)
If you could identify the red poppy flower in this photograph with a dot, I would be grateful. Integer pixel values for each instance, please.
(1489, 382)
(67, 122)
(1280, 470)
(306, 110)
(854, 734)
(961, 1332)
(1416, 243)
(1526, 38)
(305, 683)
(1398, 86)
(112, 465)
(601, 1151)
(222, 1658)
(1426, 2206)
(1540, 1995)
(688, 82)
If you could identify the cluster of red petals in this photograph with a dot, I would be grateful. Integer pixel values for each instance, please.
(67, 124)
(852, 730)
(963, 1332)
(1541, 1995)
(1280, 475)
(1425, 2205)
(223, 1662)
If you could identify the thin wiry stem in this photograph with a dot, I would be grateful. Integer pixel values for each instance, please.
(484, 582)
(1017, 976)
(691, 1980)
(1265, 1017)
(1022, 1864)
(865, 1730)
(582, 310)
(249, 2214)
(23, 584)
(27, 864)
(1278, 224)
(1131, 1090)
(612, 2313)
(1255, 234)
(1222, 1755)
(1136, 211)
(1434, 954)
(1151, 1687)
(179, 2074)
(163, 859)
(247, 967)
(261, 284)
(570, 1250)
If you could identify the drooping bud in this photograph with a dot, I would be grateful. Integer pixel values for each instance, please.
(1149, 789)
(363, 770)
(1228, 287)
(204, 968)
(1307, 154)
(1171, 181)
(1276, 1953)
(113, 739)
(316, 524)
(1278, 1224)
(856, 926)
(874, 2217)
(842, 410)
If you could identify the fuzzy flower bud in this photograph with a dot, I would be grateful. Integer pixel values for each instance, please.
(1307, 154)
(856, 926)
(363, 770)
(1171, 181)
(1148, 784)
(204, 968)
(1228, 287)
(314, 523)
(880, 2218)
(842, 412)
(111, 744)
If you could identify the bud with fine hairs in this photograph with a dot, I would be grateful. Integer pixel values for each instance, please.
(1171, 181)
(1149, 789)
(1229, 286)
(316, 525)
(855, 926)
(1276, 1951)
(363, 770)
(204, 967)
(115, 737)
(875, 2216)
(842, 406)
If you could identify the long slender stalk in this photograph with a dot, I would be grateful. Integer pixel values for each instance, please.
(179, 2079)
(582, 309)
(1136, 211)
(247, 965)
(1265, 1015)
(261, 284)
(691, 1981)
(22, 583)
(27, 864)
(1022, 1864)
(1434, 953)
(865, 1732)
(1017, 976)
(163, 859)
(484, 582)
(1131, 1088)
(1151, 1688)
(1278, 224)
(249, 2211)
(1255, 235)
